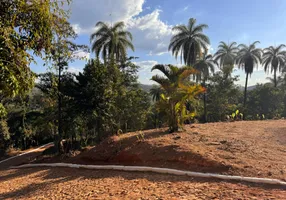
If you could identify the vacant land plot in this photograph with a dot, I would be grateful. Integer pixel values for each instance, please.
(246, 148)
(256, 148)
(67, 183)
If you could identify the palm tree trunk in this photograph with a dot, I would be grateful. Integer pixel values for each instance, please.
(205, 109)
(245, 94)
(173, 119)
(59, 138)
(275, 79)
(205, 104)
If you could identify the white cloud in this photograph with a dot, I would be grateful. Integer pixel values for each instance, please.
(87, 12)
(150, 33)
(146, 65)
(185, 8)
(81, 55)
(145, 73)
(79, 30)
(74, 70)
(182, 10)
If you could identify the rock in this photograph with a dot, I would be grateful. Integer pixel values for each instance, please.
(213, 143)
(177, 138)
(223, 142)
(195, 133)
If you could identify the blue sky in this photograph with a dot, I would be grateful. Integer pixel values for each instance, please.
(151, 21)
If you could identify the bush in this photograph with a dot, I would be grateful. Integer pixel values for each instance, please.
(4, 135)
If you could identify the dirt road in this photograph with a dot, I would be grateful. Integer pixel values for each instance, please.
(66, 183)
(25, 157)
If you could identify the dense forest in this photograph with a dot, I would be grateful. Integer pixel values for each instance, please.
(106, 98)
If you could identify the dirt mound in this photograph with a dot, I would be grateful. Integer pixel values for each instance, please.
(156, 149)
(245, 148)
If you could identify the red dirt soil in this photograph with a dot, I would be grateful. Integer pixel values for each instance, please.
(255, 148)
(66, 183)
(246, 148)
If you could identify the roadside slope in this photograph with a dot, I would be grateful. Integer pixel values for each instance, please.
(254, 148)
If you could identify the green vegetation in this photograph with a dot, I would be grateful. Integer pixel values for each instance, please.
(247, 58)
(274, 58)
(226, 55)
(189, 41)
(27, 29)
(75, 110)
(177, 90)
(204, 66)
(111, 41)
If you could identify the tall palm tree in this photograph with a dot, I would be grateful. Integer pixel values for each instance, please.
(176, 92)
(204, 66)
(111, 41)
(226, 56)
(279, 80)
(189, 42)
(274, 58)
(247, 58)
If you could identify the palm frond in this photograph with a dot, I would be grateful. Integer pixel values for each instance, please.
(163, 68)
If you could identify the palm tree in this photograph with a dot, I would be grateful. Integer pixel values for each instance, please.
(156, 92)
(226, 56)
(204, 66)
(189, 42)
(176, 92)
(274, 58)
(279, 80)
(247, 58)
(111, 41)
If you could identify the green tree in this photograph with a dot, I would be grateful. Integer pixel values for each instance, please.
(189, 42)
(205, 66)
(111, 41)
(274, 58)
(225, 56)
(63, 52)
(247, 58)
(4, 136)
(27, 29)
(279, 80)
(223, 96)
(156, 92)
(266, 100)
(177, 91)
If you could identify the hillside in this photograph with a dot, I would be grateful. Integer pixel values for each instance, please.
(247, 148)
(145, 87)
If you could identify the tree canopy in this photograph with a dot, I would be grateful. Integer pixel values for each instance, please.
(189, 42)
(27, 29)
(112, 41)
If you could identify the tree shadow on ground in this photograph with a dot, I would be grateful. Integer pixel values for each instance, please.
(54, 176)
(280, 134)
(133, 151)
(48, 176)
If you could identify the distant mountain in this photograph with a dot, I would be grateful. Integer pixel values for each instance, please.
(248, 88)
(145, 87)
